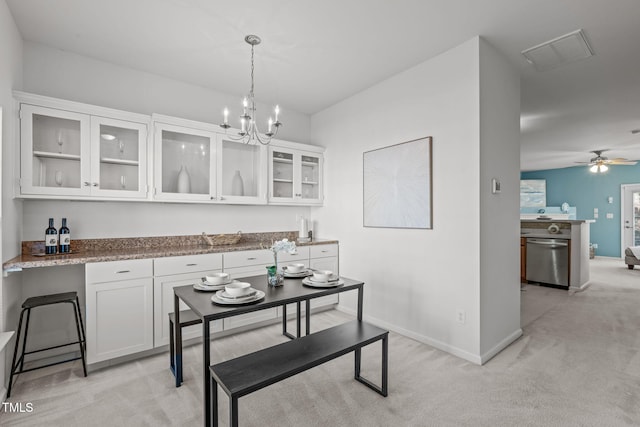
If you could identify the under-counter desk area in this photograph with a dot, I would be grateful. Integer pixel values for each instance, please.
(126, 285)
(565, 241)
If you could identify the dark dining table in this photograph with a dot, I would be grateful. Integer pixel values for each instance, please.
(292, 291)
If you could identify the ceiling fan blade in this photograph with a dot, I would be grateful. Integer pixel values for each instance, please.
(621, 162)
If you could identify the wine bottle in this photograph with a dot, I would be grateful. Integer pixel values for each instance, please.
(65, 237)
(50, 239)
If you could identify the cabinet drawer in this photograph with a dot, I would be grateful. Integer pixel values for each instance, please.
(319, 251)
(242, 258)
(113, 271)
(301, 255)
(187, 264)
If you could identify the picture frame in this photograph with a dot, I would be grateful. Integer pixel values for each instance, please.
(397, 185)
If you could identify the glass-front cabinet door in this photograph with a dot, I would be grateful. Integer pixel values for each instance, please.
(185, 163)
(242, 172)
(295, 176)
(54, 159)
(119, 161)
(310, 178)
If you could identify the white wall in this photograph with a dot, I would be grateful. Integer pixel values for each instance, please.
(416, 280)
(10, 78)
(499, 213)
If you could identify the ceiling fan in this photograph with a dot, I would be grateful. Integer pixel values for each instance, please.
(600, 163)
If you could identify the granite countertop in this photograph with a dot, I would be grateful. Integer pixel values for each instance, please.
(102, 250)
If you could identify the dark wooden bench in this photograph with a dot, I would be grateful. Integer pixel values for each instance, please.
(246, 374)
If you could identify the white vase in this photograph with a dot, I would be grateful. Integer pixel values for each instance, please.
(237, 185)
(184, 180)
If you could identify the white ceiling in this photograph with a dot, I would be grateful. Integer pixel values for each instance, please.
(315, 53)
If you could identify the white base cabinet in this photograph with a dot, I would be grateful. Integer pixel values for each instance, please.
(119, 308)
(179, 271)
(128, 302)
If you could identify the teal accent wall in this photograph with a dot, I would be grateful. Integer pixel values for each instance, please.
(586, 191)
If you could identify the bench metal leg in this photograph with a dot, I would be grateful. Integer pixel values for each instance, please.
(214, 403)
(385, 368)
(233, 411)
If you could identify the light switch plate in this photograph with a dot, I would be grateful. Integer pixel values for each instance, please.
(609, 216)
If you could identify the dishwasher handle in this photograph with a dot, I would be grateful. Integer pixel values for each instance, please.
(543, 243)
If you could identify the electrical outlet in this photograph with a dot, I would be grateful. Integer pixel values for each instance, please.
(461, 316)
(609, 216)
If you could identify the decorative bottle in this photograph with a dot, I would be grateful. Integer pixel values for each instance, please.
(184, 180)
(65, 237)
(50, 239)
(237, 185)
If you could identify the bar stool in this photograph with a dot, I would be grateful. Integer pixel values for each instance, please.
(33, 302)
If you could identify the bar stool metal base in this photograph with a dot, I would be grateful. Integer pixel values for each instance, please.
(17, 366)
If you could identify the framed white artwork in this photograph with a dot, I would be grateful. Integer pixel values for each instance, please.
(397, 185)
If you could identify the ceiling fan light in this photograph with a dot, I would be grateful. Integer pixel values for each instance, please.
(604, 168)
(594, 168)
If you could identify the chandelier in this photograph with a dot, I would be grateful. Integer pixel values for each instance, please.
(249, 132)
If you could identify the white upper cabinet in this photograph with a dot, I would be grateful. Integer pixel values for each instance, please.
(295, 176)
(74, 150)
(184, 161)
(70, 150)
(242, 172)
(193, 162)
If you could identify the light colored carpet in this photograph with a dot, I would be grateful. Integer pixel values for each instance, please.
(577, 364)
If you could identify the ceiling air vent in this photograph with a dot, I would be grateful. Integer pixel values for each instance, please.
(559, 51)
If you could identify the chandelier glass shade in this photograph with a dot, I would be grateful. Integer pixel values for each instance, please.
(249, 132)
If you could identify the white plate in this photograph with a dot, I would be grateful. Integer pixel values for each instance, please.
(205, 283)
(257, 297)
(314, 280)
(201, 287)
(314, 284)
(297, 275)
(223, 294)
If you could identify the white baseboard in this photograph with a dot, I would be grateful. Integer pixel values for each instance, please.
(501, 346)
(463, 354)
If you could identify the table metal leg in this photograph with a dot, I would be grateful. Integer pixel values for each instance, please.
(206, 361)
(298, 320)
(284, 323)
(307, 319)
(360, 303)
(177, 333)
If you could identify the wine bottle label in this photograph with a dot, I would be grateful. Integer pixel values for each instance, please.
(51, 240)
(65, 239)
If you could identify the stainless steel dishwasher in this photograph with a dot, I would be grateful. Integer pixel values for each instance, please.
(548, 261)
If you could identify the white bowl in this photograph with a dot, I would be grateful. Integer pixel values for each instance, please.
(295, 268)
(237, 288)
(323, 275)
(217, 278)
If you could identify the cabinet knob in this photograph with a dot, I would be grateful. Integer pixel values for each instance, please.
(221, 198)
(95, 184)
(87, 184)
(213, 198)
